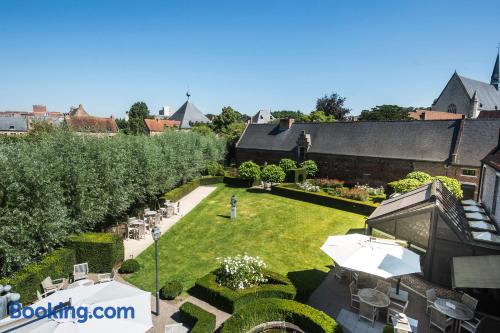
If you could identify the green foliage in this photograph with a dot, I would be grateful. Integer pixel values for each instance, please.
(227, 299)
(181, 191)
(388, 329)
(405, 185)
(100, 250)
(171, 290)
(417, 178)
(452, 185)
(215, 169)
(287, 165)
(284, 114)
(353, 193)
(129, 266)
(310, 166)
(386, 112)
(420, 176)
(65, 184)
(249, 170)
(136, 115)
(202, 128)
(273, 309)
(272, 174)
(26, 282)
(200, 320)
(317, 117)
(333, 106)
(227, 117)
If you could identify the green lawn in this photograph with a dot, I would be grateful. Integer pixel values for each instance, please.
(286, 233)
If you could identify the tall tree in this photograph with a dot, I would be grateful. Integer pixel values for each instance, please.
(333, 105)
(227, 117)
(136, 115)
(386, 112)
(285, 114)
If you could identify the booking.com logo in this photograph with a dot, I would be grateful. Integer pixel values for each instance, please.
(66, 312)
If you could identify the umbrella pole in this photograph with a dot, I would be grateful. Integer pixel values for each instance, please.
(397, 285)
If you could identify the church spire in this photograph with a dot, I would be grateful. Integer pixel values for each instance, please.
(495, 76)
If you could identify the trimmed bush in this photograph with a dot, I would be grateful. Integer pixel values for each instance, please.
(183, 190)
(272, 174)
(287, 165)
(420, 176)
(310, 166)
(249, 170)
(452, 185)
(129, 266)
(198, 319)
(272, 309)
(215, 169)
(26, 282)
(229, 300)
(100, 250)
(171, 290)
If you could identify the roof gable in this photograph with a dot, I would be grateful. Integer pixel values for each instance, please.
(478, 137)
(189, 114)
(13, 123)
(488, 96)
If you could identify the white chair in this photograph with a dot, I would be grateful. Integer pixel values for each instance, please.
(175, 328)
(394, 309)
(106, 277)
(471, 325)
(354, 295)
(470, 301)
(80, 271)
(368, 312)
(439, 320)
(41, 296)
(50, 286)
(430, 295)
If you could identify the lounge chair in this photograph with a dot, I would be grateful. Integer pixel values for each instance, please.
(354, 295)
(439, 320)
(50, 286)
(430, 295)
(80, 271)
(368, 312)
(106, 277)
(470, 301)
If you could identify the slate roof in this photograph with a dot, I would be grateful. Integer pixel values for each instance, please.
(262, 117)
(493, 159)
(158, 125)
(13, 124)
(188, 114)
(478, 138)
(488, 96)
(412, 140)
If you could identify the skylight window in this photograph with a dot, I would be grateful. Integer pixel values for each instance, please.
(486, 236)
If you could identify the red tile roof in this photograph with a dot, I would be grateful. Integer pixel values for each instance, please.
(159, 125)
(92, 124)
(434, 115)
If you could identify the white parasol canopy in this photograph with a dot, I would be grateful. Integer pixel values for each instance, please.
(111, 294)
(384, 258)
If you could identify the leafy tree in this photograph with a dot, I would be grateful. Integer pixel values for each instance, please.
(227, 117)
(122, 125)
(249, 170)
(284, 114)
(136, 115)
(310, 166)
(201, 128)
(215, 169)
(287, 165)
(273, 174)
(333, 105)
(386, 112)
(317, 117)
(417, 178)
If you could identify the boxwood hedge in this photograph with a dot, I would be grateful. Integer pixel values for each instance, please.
(101, 250)
(200, 320)
(273, 309)
(181, 191)
(229, 300)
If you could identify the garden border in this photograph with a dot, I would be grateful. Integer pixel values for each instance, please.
(200, 320)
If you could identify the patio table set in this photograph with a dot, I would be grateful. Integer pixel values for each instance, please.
(137, 228)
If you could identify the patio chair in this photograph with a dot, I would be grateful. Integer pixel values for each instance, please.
(470, 301)
(383, 286)
(50, 286)
(174, 328)
(430, 295)
(80, 271)
(471, 325)
(106, 277)
(340, 272)
(41, 296)
(439, 320)
(354, 295)
(368, 312)
(395, 308)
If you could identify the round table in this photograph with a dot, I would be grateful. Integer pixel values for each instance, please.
(150, 213)
(457, 310)
(374, 297)
(79, 283)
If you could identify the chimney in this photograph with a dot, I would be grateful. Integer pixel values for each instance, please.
(37, 108)
(286, 123)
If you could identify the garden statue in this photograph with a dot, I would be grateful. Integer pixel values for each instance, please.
(233, 207)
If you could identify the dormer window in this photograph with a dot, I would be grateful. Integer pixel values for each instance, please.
(11, 127)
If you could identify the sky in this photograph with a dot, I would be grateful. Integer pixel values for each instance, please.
(251, 55)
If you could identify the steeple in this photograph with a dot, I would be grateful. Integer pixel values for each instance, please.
(495, 76)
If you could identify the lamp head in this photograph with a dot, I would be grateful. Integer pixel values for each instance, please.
(156, 233)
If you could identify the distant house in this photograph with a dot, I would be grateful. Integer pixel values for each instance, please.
(188, 115)
(157, 126)
(78, 120)
(433, 115)
(262, 117)
(39, 114)
(13, 125)
(469, 97)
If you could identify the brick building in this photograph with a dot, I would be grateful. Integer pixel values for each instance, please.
(376, 153)
(157, 126)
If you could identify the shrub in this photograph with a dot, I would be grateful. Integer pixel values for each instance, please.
(200, 320)
(375, 191)
(26, 282)
(359, 194)
(100, 250)
(129, 266)
(207, 289)
(272, 309)
(287, 165)
(405, 185)
(171, 290)
(452, 185)
(310, 166)
(241, 272)
(273, 174)
(420, 176)
(249, 170)
(328, 183)
(183, 190)
(215, 169)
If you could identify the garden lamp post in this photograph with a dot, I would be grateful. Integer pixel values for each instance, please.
(156, 235)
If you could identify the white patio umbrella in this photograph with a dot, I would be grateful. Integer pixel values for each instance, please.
(110, 294)
(384, 258)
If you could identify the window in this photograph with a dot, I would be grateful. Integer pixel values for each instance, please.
(452, 108)
(469, 172)
(495, 195)
(11, 127)
(469, 191)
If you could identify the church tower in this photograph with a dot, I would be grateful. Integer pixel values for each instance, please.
(495, 76)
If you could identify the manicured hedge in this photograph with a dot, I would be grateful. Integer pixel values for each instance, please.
(273, 309)
(324, 199)
(101, 250)
(181, 191)
(129, 266)
(239, 182)
(200, 320)
(229, 300)
(58, 264)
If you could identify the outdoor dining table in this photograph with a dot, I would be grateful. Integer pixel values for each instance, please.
(374, 297)
(454, 309)
(150, 213)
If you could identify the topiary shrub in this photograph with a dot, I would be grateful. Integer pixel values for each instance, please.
(405, 185)
(200, 320)
(100, 250)
(171, 290)
(249, 170)
(420, 176)
(129, 266)
(310, 166)
(215, 169)
(287, 165)
(272, 174)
